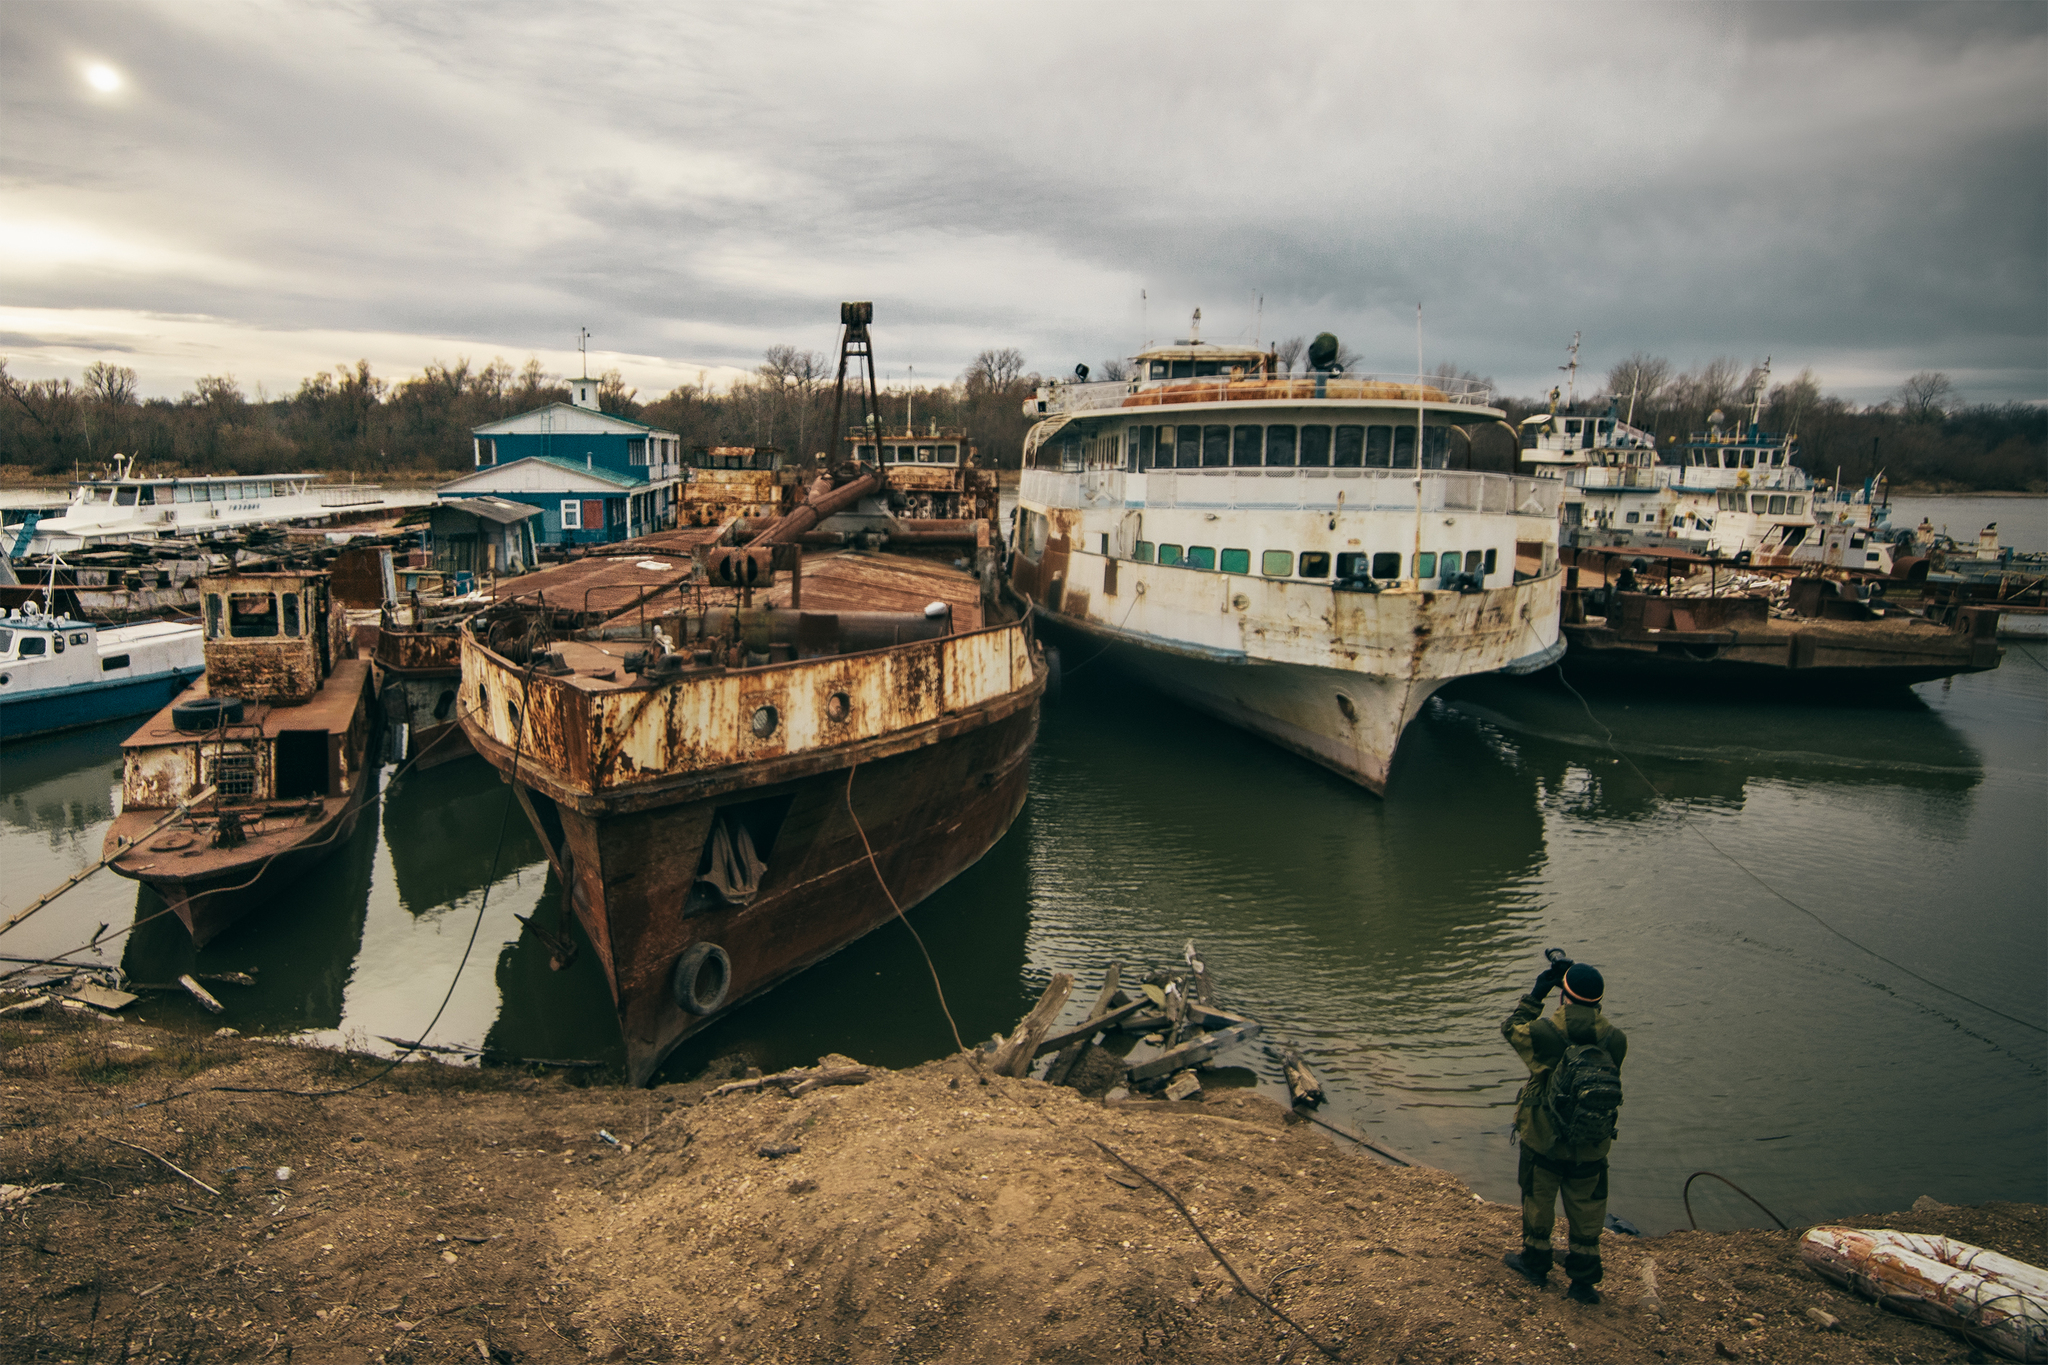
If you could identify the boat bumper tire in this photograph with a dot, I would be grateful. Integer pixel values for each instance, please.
(702, 976)
(201, 714)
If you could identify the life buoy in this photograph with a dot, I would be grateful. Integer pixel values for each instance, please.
(702, 976)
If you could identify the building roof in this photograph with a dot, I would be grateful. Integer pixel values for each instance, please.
(541, 474)
(491, 509)
(566, 419)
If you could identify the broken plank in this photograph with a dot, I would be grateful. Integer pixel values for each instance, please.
(1070, 1050)
(1013, 1058)
(101, 996)
(28, 1006)
(1200, 1048)
(201, 994)
(1088, 1028)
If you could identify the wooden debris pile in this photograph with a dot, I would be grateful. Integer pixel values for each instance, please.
(97, 989)
(1153, 1038)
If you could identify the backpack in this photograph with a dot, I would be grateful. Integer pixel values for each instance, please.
(1582, 1095)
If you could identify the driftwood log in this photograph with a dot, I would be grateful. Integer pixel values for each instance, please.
(1074, 1042)
(1301, 1082)
(1200, 1048)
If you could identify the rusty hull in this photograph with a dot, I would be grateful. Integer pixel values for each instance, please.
(626, 777)
(713, 497)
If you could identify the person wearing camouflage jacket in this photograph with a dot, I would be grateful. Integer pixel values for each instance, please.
(1549, 1170)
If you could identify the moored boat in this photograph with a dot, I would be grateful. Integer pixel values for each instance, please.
(740, 772)
(275, 737)
(59, 673)
(1307, 556)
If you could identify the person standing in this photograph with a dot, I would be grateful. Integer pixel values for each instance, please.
(1565, 1122)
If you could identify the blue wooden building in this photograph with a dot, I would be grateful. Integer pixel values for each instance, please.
(594, 476)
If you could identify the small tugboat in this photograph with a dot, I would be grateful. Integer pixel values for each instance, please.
(274, 737)
(58, 673)
(743, 770)
(419, 672)
(1307, 556)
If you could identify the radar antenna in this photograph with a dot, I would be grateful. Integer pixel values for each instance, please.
(855, 348)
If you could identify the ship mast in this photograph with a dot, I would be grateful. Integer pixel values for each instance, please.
(1756, 395)
(1571, 371)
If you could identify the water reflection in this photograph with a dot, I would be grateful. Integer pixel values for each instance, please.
(301, 949)
(443, 827)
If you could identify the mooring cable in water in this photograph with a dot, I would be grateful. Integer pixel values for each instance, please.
(883, 882)
(1686, 1195)
(1685, 818)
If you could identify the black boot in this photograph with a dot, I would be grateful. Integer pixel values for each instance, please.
(1582, 1291)
(1515, 1261)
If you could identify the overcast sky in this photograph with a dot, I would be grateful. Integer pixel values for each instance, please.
(267, 190)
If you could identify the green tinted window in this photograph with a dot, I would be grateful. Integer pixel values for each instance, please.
(1425, 565)
(1237, 561)
(1277, 563)
(1142, 552)
(1169, 554)
(1201, 556)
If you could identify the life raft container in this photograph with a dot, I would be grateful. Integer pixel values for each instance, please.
(1992, 1299)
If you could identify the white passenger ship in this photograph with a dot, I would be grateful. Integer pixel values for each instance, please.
(1310, 557)
(129, 506)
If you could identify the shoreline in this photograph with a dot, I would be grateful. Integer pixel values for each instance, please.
(435, 1212)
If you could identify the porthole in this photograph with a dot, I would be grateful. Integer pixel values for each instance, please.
(765, 721)
(838, 707)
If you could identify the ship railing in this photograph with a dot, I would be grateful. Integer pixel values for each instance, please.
(1352, 490)
(1353, 385)
(351, 495)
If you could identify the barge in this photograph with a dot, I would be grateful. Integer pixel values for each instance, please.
(757, 759)
(277, 730)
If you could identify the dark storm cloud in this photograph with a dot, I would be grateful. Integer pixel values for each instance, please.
(1858, 188)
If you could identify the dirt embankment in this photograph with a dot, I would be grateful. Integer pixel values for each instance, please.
(440, 1214)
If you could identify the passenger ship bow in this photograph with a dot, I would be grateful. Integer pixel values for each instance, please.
(1309, 557)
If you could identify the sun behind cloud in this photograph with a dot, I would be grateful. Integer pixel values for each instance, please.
(103, 78)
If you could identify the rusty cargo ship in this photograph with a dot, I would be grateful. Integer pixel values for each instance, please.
(1309, 556)
(273, 741)
(748, 765)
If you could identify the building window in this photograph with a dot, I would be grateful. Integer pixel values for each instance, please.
(1237, 561)
(1276, 563)
(636, 450)
(1247, 446)
(1215, 446)
(1634, 517)
(1142, 552)
(1169, 554)
(1315, 563)
(1187, 447)
(1201, 556)
(572, 514)
(1386, 564)
(1350, 447)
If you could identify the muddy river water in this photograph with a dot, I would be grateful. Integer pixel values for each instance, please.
(1825, 928)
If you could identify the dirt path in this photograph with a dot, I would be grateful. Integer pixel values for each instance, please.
(441, 1214)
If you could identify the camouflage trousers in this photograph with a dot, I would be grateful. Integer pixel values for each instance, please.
(1583, 1186)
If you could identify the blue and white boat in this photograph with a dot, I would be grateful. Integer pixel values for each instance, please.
(57, 673)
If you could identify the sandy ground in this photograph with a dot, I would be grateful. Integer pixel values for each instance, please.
(435, 1213)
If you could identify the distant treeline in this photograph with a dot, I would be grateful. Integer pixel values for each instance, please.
(352, 419)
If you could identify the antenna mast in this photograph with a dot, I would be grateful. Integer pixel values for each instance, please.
(854, 346)
(583, 345)
(1756, 394)
(1572, 374)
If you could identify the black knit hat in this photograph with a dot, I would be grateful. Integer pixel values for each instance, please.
(1584, 984)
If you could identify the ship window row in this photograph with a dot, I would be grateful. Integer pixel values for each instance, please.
(921, 453)
(252, 615)
(1770, 504)
(148, 495)
(1282, 445)
(1744, 457)
(1351, 565)
(1191, 369)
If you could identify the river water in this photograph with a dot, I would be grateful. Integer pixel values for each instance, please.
(1822, 926)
